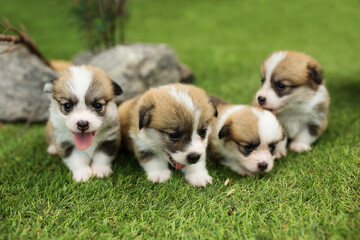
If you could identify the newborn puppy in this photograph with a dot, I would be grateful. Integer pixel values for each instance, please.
(292, 88)
(169, 125)
(83, 127)
(244, 138)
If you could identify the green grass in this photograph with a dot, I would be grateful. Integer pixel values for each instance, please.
(309, 195)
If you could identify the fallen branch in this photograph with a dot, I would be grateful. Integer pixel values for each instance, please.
(21, 38)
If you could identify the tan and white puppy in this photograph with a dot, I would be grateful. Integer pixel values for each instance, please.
(83, 127)
(169, 124)
(292, 88)
(244, 138)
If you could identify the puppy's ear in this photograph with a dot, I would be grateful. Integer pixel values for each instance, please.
(212, 102)
(315, 73)
(49, 86)
(116, 88)
(225, 131)
(145, 115)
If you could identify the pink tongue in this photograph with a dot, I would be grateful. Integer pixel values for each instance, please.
(83, 140)
(179, 165)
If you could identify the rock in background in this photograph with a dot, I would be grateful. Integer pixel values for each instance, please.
(22, 79)
(137, 67)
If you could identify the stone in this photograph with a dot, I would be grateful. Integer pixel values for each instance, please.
(137, 67)
(22, 79)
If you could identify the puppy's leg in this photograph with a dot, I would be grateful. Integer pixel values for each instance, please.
(197, 174)
(79, 164)
(280, 150)
(302, 141)
(52, 150)
(101, 165)
(156, 167)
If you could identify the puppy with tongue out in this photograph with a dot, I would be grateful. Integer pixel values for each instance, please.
(83, 127)
(166, 126)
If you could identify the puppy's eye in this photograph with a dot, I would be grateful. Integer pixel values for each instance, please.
(280, 86)
(174, 137)
(67, 107)
(262, 80)
(272, 148)
(249, 148)
(202, 132)
(98, 107)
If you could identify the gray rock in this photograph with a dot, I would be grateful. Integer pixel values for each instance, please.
(137, 67)
(22, 79)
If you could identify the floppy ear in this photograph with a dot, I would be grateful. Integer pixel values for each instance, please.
(116, 88)
(211, 100)
(315, 73)
(49, 86)
(225, 131)
(145, 115)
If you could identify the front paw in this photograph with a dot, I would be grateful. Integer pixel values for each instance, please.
(199, 179)
(299, 147)
(280, 152)
(83, 174)
(101, 170)
(159, 176)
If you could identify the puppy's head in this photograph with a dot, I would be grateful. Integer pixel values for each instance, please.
(175, 120)
(289, 79)
(250, 135)
(83, 97)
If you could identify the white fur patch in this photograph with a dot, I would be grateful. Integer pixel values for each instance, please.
(272, 62)
(80, 81)
(269, 126)
(183, 97)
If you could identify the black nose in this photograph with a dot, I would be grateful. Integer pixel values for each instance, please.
(262, 166)
(193, 158)
(261, 100)
(82, 125)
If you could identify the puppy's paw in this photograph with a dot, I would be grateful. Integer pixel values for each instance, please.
(280, 152)
(83, 174)
(299, 147)
(159, 176)
(101, 170)
(199, 179)
(52, 150)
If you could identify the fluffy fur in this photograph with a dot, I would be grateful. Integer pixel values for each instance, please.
(83, 127)
(293, 89)
(244, 138)
(169, 124)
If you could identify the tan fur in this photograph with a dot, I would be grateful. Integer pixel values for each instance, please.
(164, 108)
(293, 69)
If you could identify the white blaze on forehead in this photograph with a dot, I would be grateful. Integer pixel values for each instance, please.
(80, 81)
(269, 127)
(225, 115)
(272, 62)
(183, 96)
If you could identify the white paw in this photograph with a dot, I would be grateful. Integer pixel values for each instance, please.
(83, 174)
(101, 170)
(52, 150)
(159, 176)
(299, 147)
(280, 152)
(199, 179)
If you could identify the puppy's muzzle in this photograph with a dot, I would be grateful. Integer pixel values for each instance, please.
(261, 100)
(262, 166)
(82, 125)
(193, 158)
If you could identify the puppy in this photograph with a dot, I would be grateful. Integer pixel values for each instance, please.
(83, 127)
(244, 138)
(292, 88)
(169, 125)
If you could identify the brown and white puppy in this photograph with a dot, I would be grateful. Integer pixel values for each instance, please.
(292, 88)
(244, 138)
(83, 127)
(169, 124)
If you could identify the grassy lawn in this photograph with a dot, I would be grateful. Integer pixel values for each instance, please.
(309, 195)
